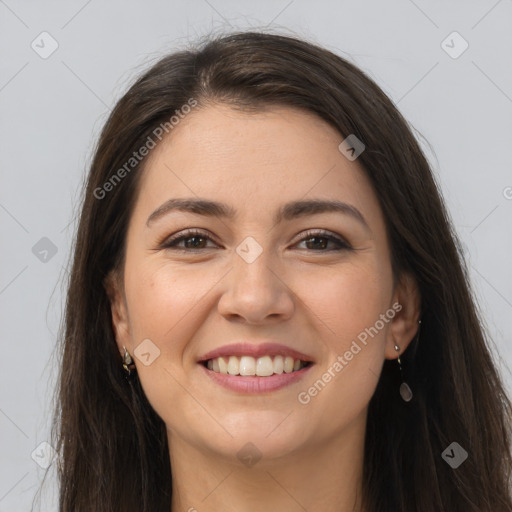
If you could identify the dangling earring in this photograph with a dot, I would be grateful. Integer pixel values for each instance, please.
(128, 365)
(405, 390)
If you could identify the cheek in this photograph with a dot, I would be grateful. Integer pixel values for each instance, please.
(345, 300)
(164, 305)
(160, 297)
(347, 307)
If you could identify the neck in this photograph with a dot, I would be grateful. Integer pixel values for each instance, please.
(323, 477)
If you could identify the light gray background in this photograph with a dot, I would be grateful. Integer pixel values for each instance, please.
(52, 110)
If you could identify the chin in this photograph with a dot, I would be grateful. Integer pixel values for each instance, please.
(266, 435)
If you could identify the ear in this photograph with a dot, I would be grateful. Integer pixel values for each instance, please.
(120, 321)
(404, 325)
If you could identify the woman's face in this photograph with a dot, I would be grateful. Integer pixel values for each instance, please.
(272, 272)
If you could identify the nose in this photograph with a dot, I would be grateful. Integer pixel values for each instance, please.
(256, 291)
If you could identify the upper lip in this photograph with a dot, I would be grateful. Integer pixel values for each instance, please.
(255, 350)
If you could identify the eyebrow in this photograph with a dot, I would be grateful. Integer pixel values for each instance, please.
(288, 211)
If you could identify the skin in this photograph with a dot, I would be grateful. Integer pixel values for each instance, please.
(296, 292)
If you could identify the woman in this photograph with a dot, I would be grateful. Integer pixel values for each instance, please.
(268, 307)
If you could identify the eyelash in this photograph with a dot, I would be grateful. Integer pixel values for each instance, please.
(171, 243)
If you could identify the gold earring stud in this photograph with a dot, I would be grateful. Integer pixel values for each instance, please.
(128, 365)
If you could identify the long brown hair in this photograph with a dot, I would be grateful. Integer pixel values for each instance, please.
(112, 446)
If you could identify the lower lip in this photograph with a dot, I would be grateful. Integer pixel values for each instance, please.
(253, 384)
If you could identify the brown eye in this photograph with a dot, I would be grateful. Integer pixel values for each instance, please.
(318, 241)
(194, 240)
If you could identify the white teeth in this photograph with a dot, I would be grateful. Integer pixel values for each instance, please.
(223, 365)
(288, 364)
(278, 364)
(249, 366)
(265, 367)
(234, 365)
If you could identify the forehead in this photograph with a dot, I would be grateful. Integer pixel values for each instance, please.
(252, 160)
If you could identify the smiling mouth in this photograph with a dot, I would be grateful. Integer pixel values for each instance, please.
(248, 366)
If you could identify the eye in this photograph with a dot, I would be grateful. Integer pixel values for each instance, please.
(320, 240)
(197, 237)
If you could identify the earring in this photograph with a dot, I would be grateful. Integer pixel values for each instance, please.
(405, 390)
(128, 365)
